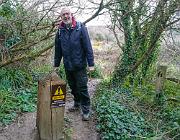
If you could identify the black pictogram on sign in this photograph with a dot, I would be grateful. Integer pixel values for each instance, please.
(58, 96)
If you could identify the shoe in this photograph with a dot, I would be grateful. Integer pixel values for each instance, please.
(74, 109)
(86, 117)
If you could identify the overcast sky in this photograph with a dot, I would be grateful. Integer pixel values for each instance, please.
(98, 21)
(80, 15)
(87, 13)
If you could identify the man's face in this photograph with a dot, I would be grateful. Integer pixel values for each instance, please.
(66, 16)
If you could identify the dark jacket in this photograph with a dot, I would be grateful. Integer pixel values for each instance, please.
(74, 46)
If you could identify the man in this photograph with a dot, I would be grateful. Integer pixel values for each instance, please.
(72, 42)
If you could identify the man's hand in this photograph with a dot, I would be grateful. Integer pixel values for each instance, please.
(55, 69)
(91, 69)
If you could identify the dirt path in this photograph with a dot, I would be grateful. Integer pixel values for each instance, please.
(24, 128)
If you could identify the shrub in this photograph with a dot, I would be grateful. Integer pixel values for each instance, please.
(12, 78)
(14, 101)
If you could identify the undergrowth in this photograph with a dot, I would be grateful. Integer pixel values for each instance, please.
(14, 79)
(96, 73)
(18, 93)
(130, 113)
(13, 102)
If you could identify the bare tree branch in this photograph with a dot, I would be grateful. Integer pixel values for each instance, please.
(25, 57)
(97, 12)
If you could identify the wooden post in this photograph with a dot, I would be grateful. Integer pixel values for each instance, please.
(160, 79)
(51, 107)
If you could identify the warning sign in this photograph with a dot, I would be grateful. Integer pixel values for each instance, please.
(58, 96)
(58, 91)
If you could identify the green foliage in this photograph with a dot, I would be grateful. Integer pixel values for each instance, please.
(6, 9)
(146, 93)
(173, 70)
(42, 68)
(62, 73)
(172, 89)
(13, 102)
(39, 71)
(129, 112)
(116, 121)
(150, 61)
(13, 78)
(12, 40)
(8, 105)
(17, 93)
(141, 39)
(122, 71)
(167, 114)
(27, 98)
(96, 73)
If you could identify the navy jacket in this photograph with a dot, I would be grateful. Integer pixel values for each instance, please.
(74, 46)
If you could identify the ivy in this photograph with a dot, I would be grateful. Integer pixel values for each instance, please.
(129, 112)
(116, 121)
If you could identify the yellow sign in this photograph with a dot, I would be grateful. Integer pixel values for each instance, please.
(61, 97)
(58, 95)
(58, 91)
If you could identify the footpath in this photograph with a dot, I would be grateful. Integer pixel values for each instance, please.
(24, 127)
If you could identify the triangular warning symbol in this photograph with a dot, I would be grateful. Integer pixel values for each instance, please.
(58, 91)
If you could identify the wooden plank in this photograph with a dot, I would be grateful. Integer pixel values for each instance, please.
(50, 118)
(45, 122)
(58, 113)
(58, 123)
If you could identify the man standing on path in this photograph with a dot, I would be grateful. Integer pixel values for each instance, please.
(72, 42)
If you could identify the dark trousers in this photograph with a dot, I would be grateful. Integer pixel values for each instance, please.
(77, 81)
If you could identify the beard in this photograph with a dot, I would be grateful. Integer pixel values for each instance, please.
(68, 20)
